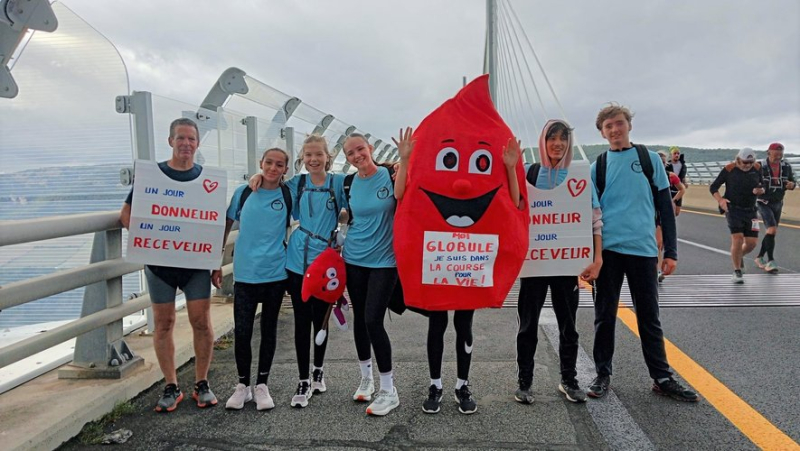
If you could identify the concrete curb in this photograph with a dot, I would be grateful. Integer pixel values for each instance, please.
(46, 412)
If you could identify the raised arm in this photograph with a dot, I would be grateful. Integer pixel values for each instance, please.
(511, 155)
(405, 146)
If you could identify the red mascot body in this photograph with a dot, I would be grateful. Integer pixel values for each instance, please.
(459, 239)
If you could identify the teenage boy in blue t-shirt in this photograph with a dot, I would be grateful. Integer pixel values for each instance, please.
(629, 249)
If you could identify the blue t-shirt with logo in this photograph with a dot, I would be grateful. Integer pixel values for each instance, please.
(550, 178)
(370, 237)
(629, 212)
(260, 255)
(318, 213)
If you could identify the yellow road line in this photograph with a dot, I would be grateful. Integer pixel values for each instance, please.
(791, 226)
(752, 424)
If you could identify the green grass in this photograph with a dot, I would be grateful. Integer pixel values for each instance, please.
(92, 433)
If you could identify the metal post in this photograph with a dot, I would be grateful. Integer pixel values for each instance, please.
(140, 105)
(289, 133)
(102, 353)
(143, 134)
(251, 122)
(490, 55)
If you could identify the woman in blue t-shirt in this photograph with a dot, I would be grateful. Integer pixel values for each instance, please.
(318, 198)
(371, 270)
(259, 274)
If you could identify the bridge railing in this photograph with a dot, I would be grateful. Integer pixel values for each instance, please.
(100, 350)
(704, 173)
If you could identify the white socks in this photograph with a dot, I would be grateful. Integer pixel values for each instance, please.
(387, 382)
(437, 383)
(460, 383)
(366, 368)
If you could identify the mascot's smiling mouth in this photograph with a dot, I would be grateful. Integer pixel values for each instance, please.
(461, 212)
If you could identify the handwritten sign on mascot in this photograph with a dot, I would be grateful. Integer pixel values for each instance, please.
(459, 239)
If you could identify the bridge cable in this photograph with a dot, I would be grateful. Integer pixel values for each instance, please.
(505, 37)
(546, 79)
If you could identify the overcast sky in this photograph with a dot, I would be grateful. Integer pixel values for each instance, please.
(708, 73)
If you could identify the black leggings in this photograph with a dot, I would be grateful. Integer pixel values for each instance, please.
(565, 296)
(306, 314)
(370, 290)
(437, 324)
(247, 296)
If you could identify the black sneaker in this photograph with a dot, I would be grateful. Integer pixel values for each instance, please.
(524, 393)
(434, 401)
(572, 390)
(675, 390)
(466, 403)
(599, 386)
(170, 399)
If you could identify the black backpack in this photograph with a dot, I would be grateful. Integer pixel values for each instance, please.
(533, 173)
(287, 200)
(348, 182)
(644, 161)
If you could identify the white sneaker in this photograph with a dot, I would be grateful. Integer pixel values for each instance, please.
(737, 277)
(241, 395)
(263, 399)
(302, 395)
(318, 382)
(365, 390)
(384, 402)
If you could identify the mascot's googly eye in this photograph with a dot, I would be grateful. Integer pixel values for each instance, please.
(330, 273)
(480, 162)
(332, 284)
(447, 159)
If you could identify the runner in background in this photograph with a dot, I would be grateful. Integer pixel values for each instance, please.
(777, 178)
(742, 180)
(677, 190)
(677, 166)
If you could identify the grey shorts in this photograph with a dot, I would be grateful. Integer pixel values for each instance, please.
(196, 286)
(770, 213)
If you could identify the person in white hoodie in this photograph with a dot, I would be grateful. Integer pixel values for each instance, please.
(555, 156)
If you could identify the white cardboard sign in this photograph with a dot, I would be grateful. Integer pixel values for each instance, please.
(178, 224)
(561, 242)
(461, 259)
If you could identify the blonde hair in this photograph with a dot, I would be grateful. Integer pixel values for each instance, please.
(312, 139)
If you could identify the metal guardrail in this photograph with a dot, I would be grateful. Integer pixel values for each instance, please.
(704, 173)
(100, 348)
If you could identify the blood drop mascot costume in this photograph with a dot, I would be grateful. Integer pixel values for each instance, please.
(459, 239)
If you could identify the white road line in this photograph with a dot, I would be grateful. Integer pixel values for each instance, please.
(720, 251)
(703, 246)
(619, 429)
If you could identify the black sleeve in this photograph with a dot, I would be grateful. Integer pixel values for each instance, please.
(668, 228)
(790, 173)
(129, 199)
(721, 178)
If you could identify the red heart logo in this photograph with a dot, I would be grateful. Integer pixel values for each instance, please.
(209, 185)
(576, 186)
